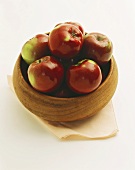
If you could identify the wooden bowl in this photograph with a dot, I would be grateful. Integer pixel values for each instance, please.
(63, 109)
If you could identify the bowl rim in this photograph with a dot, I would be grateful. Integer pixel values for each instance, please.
(112, 60)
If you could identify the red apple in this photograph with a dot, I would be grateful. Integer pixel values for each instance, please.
(84, 77)
(78, 25)
(97, 47)
(65, 41)
(64, 92)
(35, 48)
(46, 74)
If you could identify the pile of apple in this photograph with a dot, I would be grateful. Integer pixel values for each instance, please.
(67, 61)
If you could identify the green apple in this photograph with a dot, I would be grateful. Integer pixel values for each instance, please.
(35, 48)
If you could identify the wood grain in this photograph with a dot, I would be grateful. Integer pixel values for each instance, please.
(63, 109)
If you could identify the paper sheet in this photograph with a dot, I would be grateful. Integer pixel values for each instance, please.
(100, 126)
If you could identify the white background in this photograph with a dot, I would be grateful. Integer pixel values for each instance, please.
(24, 143)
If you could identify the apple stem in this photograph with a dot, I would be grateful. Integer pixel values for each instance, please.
(74, 34)
(39, 61)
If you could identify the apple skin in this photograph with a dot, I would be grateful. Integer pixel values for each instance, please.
(78, 25)
(84, 77)
(65, 41)
(35, 48)
(97, 47)
(64, 92)
(46, 74)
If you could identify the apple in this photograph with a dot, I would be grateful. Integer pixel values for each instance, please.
(65, 41)
(78, 25)
(35, 48)
(84, 77)
(64, 92)
(45, 74)
(97, 47)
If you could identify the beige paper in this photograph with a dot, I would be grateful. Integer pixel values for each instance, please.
(100, 126)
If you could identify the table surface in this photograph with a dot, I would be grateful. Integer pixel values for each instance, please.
(25, 144)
